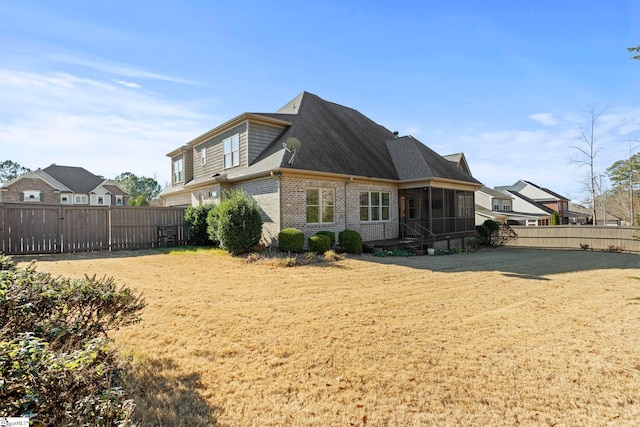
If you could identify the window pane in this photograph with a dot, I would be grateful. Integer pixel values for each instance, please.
(227, 146)
(364, 213)
(312, 197)
(227, 160)
(375, 213)
(385, 213)
(385, 199)
(235, 142)
(327, 197)
(364, 198)
(312, 214)
(327, 214)
(375, 199)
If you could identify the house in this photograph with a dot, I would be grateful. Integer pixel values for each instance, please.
(579, 214)
(509, 208)
(63, 185)
(543, 196)
(316, 165)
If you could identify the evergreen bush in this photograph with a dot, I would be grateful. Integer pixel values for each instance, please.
(291, 240)
(350, 241)
(195, 218)
(320, 243)
(331, 235)
(237, 223)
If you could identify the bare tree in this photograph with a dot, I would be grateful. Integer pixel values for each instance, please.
(588, 148)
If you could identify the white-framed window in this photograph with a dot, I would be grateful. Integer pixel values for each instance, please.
(204, 155)
(80, 199)
(101, 200)
(496, 205)
(119, 200)
(177, 170)
(320, 205)
(65, 199)
(506, 205)
(231, 148)
(31, 196)
(375, 206)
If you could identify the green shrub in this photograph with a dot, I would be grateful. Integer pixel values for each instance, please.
(320, 243)
(350, 241)
(332, 237)
(487, 233)
(55, 361)
(195, 218)
(291, 240)
(237, 224)
(212, 226)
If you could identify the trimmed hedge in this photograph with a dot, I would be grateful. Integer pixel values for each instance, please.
(319, 243)
(331, 235)
(350, 241)
(291, 239)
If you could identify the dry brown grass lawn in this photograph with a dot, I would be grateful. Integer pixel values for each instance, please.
(497, 337)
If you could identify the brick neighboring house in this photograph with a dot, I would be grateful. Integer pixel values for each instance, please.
(63, 185)
(316, 165)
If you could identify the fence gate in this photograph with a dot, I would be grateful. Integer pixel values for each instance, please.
(35, 230)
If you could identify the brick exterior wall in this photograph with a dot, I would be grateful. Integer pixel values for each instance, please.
(266, 192)
(346, 209)
(48, 195)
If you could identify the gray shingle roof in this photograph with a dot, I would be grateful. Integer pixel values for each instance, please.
(78, 179)
(341, 140)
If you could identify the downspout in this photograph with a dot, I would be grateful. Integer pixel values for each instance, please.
(277, 175)
(346, 212)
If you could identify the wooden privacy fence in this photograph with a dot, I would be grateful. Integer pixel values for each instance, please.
(56, 229)
(579, 237)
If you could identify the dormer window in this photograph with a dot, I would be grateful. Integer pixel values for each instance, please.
(118, 200)
(231, 151)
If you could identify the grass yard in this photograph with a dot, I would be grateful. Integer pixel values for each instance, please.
(499, 337)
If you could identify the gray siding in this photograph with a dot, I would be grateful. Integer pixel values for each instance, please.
(215, 153)
(260, 136)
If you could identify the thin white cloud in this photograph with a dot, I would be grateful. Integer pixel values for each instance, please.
(114, 68)
(100, 125)
(131, 85)
(546, 119)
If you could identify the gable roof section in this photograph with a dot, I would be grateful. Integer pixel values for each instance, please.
(545, 193)
(335, 139)
(460, 161)
(341, 140)
(531, 202)
(77, 179)
(40, 174)
(495, 193)
(413, 161)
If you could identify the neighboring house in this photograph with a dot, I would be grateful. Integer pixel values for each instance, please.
(509, 208)
(579, 214)
(316, 165)
(492, 204)
(543, 196)
(63, 185)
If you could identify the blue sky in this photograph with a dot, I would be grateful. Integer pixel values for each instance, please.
(115, 85)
